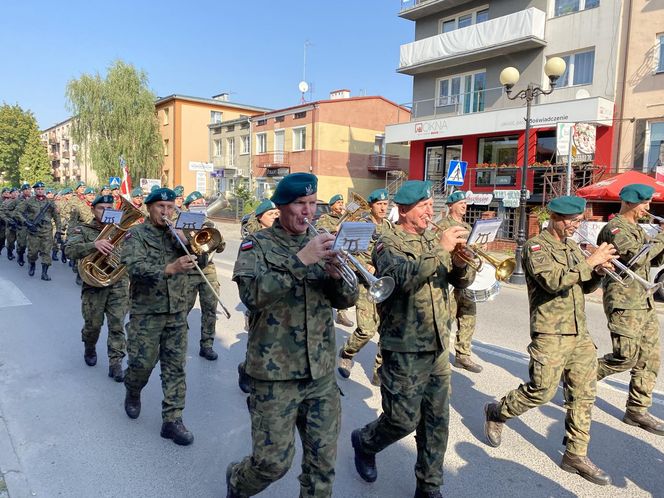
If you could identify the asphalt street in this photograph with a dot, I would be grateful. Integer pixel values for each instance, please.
(64, 433)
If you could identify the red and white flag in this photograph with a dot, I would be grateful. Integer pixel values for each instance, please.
(125, 186)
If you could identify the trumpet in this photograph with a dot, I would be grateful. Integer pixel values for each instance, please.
(658, 219)
(379, 288)
(170, 226)
(630, 275)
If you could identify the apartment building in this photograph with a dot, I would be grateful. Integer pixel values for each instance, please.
(69, 161)
(230, 154)
(461, 111)
(184, 127)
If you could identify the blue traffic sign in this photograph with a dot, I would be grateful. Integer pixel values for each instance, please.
(456, 173)
(114, 181)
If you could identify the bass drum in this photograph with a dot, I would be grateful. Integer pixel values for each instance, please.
(485, 287)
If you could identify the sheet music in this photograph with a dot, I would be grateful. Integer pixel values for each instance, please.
(198, 209)
(112, 216)
(485, 231)
(190, 221)
(354, 236)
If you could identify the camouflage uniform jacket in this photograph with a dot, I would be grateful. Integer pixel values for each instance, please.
(448, 222)
(557, 277)
(4, 210)
(291, 330)
(13, 210)
(31, 209)
(628, 238)
(81, 243)
(329, 222)
(205, 262)
(253, 225)
(146, 251)
(64, 208)
(384, 226)
(79, 212)
(415, 318)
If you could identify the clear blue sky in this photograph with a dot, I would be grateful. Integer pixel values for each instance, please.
(253, 49)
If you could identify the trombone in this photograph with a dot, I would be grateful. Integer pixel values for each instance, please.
(170, 226)
(379, 288)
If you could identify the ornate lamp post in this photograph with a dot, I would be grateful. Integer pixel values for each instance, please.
(554, 68)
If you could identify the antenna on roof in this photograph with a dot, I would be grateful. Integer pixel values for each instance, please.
(303, 86)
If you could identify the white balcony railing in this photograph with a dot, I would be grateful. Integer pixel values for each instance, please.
(506, 34)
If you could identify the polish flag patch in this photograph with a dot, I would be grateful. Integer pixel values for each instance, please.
(246, 245)
(535, 248)
(615, 230)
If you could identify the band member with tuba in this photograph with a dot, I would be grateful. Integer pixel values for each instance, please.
(558, 274)
(630, 311)
(157, 329)
(37, 214)
(289, 280)
(97, 302)
(414, 339)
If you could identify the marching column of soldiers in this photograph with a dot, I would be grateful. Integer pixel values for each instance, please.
(291, 282)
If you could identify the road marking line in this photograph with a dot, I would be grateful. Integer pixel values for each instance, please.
(11, 295)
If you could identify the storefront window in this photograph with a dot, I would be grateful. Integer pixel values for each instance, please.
(484, 178)
(505, 177)
(546, 147)
(656, 147)
(498, 150)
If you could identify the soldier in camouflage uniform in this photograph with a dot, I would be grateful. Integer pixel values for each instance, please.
(37, 216)
(64, 208)
(157, 330)
(631, 312)
(290, 291)
(462, 308)
(366, 312)
(198, 286)
(6, 209)
(179, 197)
(137, 200)
(16, 214)
(3, 225)
(57, 237)
(112, 301)
(330, 222)
(558, 275)
(414, 339)
(80, 212)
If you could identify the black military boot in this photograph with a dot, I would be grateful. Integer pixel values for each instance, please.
(428, 494)
(344, 364)
(577, 464)
(208, 354)
(115, 372)
(63, 258)
(20, 259)
(644, 420)
(31, 268)
(243, 379)
(365, 463)
(90, 356)
(132, 405)
(54, 255)
(177, 432)
(493, 424)
(230, 491)
(45, 272)
(10, 254)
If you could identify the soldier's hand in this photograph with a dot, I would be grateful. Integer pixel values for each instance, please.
(104, 246)
(603, 254)
(453, 236)
(181, 265)
(181, 236)
(333, 268)
(316, 249)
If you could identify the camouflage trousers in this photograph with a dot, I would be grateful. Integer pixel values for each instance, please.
(21, 239)
(3, 228)
(40, 245)
(572, 357)
(10, 238)
(208, 302)
(465, 312)
(277, 408)
(159, 337)
(415, 391)
(635, 338)
(110, 301)
(367, 326)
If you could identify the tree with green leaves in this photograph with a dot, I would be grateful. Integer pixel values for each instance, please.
(34, 164)
(115, 116)
(18, 129)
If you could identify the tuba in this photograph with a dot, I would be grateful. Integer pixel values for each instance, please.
(99, 270)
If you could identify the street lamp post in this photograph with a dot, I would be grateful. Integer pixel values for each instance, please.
(554, 68)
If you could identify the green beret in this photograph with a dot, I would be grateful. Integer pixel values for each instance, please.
(137, 192)
(103, 199)
(66, 190)
(160, 194)
(335, 198)
(50, 190)
(12, 190)
(38, 185)
(179, 191)
(25, 186)
(80, 184)
(567, 204)
(266, 205)
(636, 193)
(155, 187)
(5, 190)
(380, 194)
(456, 197)
(293, 186)
(195, 195)
(114, 187)
(88, 190)
(413, 191)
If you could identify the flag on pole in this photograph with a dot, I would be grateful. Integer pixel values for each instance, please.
(125, 186)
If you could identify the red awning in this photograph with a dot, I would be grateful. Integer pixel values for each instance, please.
(609, 190)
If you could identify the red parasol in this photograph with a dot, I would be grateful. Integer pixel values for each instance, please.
(609, 190)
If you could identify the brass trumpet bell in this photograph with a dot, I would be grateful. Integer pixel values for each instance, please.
(205, 241)
(504, 269)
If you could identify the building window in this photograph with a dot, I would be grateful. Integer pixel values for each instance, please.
(230, 128)
(546, 147)
(166, 146)
(166, 116)
(579, 70)
(655, 146)
(300, 115)
(563, 7)
(463, 20)
(245, 145)
(279, 119)
(215, 116)
(463, 93)
(217, 147)
(299, 138)
(261, 122)
(659, 50)
(498, 150)
(261, 143)
(230, 151)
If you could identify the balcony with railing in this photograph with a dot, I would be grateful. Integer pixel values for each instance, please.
(271, 159)
(385, 162)
(497, 37)
(416, 9)
(457, 105)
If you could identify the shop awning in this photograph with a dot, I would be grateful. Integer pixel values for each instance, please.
(609, 190)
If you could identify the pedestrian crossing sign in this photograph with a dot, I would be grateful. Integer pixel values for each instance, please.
(456, 173)
(114, 181)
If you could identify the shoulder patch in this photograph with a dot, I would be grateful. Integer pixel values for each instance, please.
(535, 248)
(246, 245)
(615, 230)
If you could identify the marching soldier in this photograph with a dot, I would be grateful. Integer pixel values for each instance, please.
(414, 339)
(115, 192)
(137, 200)
(112, 301)
(284, 281)
(157, 329)
(367, 314)
(3, 225)
(631, 311)
(6, 213)
(80, 212)
(64, 207)
(197, 286)
(17, 215)
(105, 190)
(179, 198)
(37, 215)
(462, 308)
(558, 275)
(50, 195)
